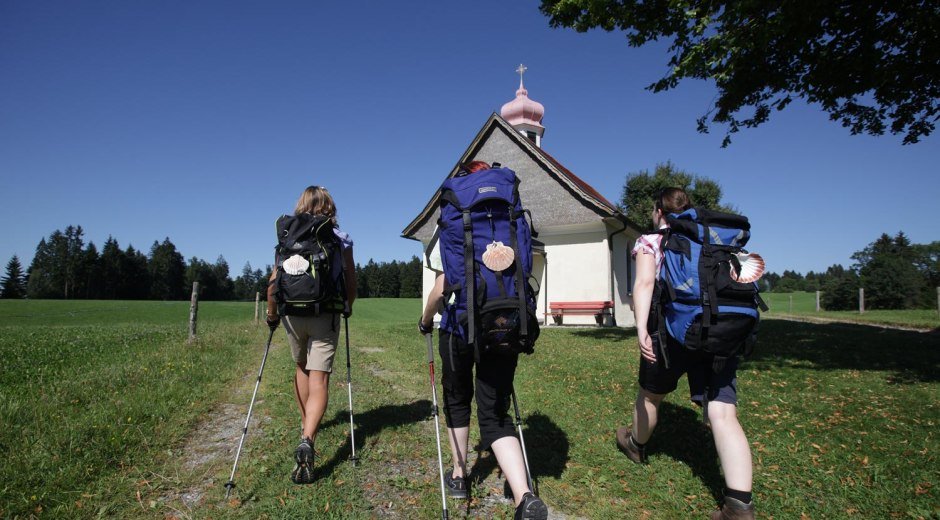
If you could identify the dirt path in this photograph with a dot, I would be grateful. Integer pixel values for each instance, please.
(395, 487)
(814, 319)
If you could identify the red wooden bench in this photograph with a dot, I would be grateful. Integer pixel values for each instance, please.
(598, 309)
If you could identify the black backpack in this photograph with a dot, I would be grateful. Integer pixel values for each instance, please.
(312, 280)
(701, 303)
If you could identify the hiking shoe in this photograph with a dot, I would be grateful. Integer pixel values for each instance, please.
(456, 486)
(629, 447)
(303, 456)
(531, 508)
(734, 509)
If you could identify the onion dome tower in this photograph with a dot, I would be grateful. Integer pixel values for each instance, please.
(524, 114)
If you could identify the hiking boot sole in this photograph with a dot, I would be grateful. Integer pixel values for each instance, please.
(535, 510)
(303, 470)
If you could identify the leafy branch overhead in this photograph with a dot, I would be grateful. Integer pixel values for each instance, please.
(872, 66)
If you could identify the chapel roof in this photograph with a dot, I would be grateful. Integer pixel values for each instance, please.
(581, 201)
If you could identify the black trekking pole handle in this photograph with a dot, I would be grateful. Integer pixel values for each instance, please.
(437, 429)
(230, 485)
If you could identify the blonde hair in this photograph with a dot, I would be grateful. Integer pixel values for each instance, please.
(316, 200)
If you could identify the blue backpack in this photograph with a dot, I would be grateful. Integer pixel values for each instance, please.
(492, 310)
(700, 303)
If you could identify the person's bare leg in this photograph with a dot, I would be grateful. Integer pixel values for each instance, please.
(508, 453)
(301, 391)
(731, 445)
(459, 439)
(645, 415)
(318, 383)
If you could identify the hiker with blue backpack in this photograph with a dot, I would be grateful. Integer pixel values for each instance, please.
(313, 284)
(695, 315)
(482, 253)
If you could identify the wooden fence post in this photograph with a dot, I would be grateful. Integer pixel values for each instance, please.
(817, 301)
(193, 311)
(257, 305)
(861, 300)
(791, 304)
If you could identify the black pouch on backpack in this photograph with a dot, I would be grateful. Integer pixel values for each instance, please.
(501, 326)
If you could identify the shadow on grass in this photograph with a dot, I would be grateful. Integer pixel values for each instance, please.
(368, 424)
(910, 357)
(605, 333)
(546, 447)
(681, 435)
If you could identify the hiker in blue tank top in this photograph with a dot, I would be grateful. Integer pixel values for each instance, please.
(493, 386)
(716, 389)
(313, 328)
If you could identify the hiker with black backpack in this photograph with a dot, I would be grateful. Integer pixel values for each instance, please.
(482, 253)
(313, 284)
(695, 315)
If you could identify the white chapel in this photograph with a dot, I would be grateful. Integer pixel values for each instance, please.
(581, 261)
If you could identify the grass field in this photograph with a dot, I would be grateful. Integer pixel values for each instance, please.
(119, 417)
(804, 304)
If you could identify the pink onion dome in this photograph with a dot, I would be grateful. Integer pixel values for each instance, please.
(522, 110)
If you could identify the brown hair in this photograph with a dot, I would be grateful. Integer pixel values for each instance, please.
(316, 200)
(672, 200)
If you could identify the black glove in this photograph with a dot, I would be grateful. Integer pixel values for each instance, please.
(347, 311)
(273, 321)
(422, 329)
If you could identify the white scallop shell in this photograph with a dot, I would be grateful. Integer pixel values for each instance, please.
(296, 265)
(752, 268)
(498, 257)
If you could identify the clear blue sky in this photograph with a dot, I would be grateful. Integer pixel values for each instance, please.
(203, 121)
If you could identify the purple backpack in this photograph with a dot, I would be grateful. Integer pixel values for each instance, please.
(481, 220)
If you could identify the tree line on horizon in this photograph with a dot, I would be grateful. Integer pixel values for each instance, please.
(895, 273)
(65, 267)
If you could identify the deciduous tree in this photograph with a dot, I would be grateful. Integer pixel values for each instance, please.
(871, 65)
(642, 187)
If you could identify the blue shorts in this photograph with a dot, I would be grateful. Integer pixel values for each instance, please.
(722, 386)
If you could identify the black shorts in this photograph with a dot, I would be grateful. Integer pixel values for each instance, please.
(722, 386)
(493, 382)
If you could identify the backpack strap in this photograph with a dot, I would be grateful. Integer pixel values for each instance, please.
(520, 288)
(470, 274)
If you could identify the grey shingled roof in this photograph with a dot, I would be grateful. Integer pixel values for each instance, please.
(554, 195)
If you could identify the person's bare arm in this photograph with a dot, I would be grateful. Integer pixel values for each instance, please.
(435, 299)
(642, 301)
(349, 266)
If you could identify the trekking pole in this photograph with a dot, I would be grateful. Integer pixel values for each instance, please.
(352, 425)
(525, 457)
(437, 430)
(230, 485)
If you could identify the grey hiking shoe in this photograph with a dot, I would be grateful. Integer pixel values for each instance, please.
(456, 486)
(734, 509)
(531, 508)
(629, 447)
(303, 469)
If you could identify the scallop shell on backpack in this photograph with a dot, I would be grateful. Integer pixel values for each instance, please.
(498, 257)
(752, 268)
(296, 265)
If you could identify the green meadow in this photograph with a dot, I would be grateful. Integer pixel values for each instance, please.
(803, 304)
(108, 411)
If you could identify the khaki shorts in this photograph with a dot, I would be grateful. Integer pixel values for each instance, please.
(313, 340)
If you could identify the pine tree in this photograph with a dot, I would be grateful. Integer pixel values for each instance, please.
(13, 284)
